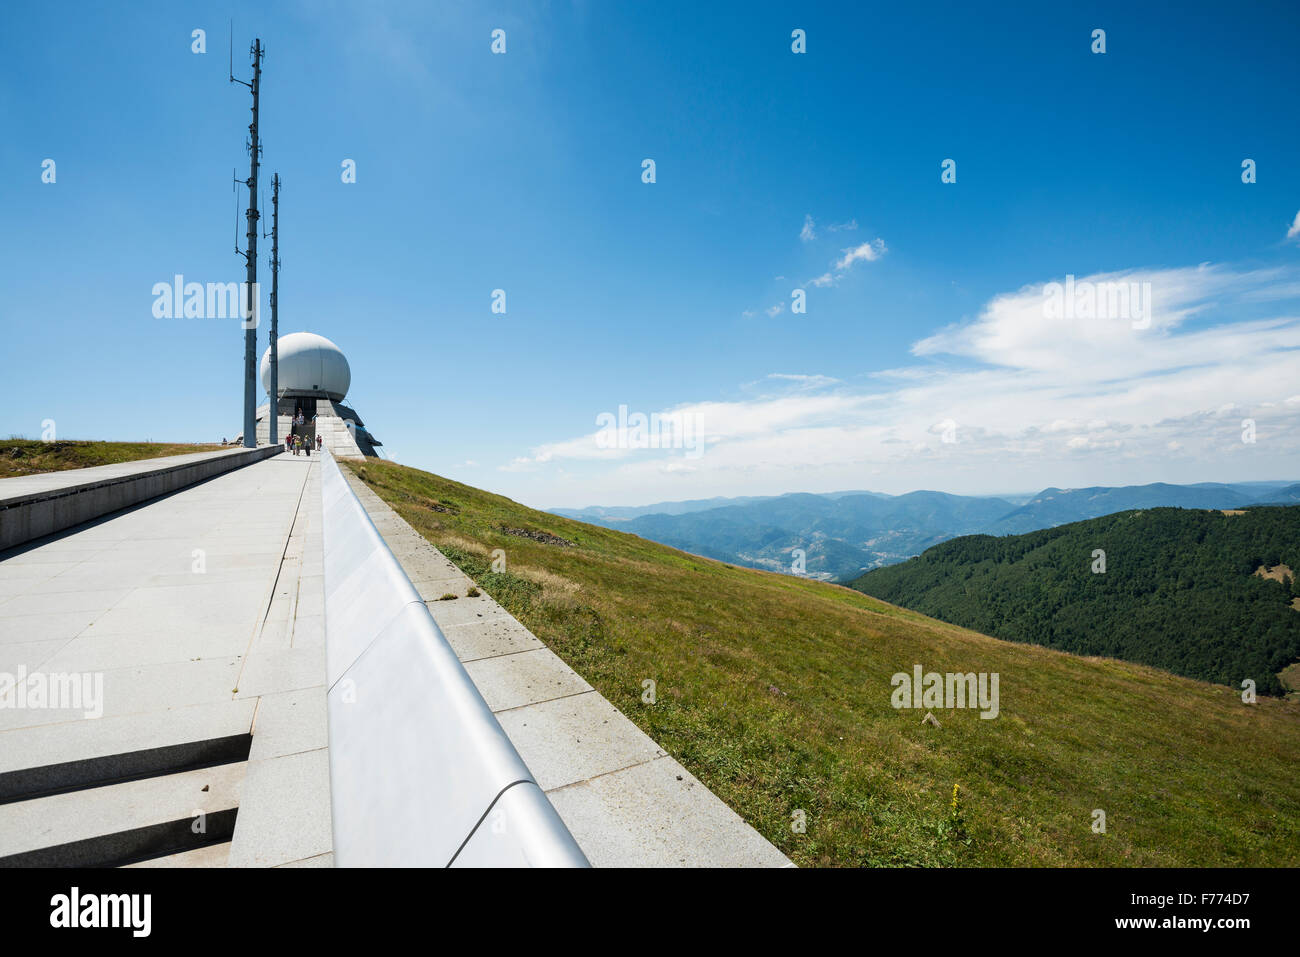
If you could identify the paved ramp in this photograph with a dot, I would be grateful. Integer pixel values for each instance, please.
(201, 614)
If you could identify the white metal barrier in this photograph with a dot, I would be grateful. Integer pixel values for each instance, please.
(421, 773)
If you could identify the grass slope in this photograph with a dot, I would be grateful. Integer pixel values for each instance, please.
(775, 691)
(31, 456)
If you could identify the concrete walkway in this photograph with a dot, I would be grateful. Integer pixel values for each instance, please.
(202, 615)
(623, 798)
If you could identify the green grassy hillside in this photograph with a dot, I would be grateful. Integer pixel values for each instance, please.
(1179, 589)
(30, 456)
(775, 691)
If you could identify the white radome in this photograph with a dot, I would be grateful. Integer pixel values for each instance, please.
(309, 365)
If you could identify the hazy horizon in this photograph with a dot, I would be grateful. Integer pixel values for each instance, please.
(1003, 494)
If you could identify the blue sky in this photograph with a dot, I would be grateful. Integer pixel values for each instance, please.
(925, 362)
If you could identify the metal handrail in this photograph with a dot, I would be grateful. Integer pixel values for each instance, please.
(421, 772)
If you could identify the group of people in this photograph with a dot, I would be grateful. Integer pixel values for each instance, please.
(298, 444)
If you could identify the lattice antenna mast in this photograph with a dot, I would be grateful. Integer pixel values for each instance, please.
(254, 146)
(273, 410)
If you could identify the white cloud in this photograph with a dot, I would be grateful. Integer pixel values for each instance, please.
(776, 310)
(837, 227)
(1294, 231)
(1015, 331)
(868, 252)
(809, 231)
(822, 280)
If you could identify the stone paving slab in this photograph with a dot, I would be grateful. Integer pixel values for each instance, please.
(284, 814)
(658, 814)
(576, 738)
(27, 654)
(502, 635)
(289, 722)
(524, 678)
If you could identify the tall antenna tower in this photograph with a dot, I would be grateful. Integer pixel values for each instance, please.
(250, 254)
(273, 409)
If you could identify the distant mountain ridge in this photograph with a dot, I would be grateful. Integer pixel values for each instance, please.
(615, 513)
(1285, 496)
(843, 534)
(840, 536)
(1054, 506)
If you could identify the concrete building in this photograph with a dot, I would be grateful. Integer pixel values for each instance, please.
(314, 378)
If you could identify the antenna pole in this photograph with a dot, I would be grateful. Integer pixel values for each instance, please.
(250, 257)
(273, 409)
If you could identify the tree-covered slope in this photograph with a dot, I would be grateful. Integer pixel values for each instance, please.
(1178, 591)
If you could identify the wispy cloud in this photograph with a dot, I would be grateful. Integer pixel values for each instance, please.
(867, 252)
(809, 231)
(803, 381)
(1294, 231)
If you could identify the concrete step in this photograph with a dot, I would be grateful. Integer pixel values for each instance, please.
(119, 823)
(45, 759)
(211, 855)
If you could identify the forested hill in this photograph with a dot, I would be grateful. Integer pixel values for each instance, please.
(1179, 590)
